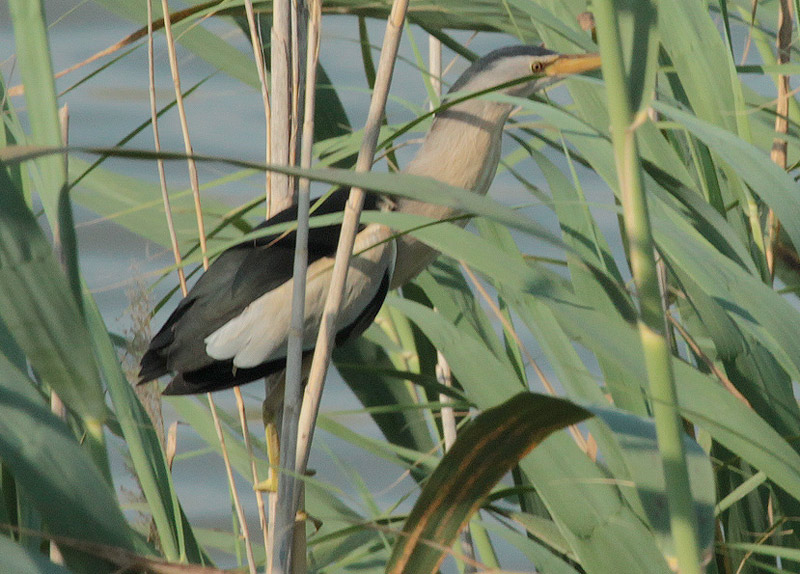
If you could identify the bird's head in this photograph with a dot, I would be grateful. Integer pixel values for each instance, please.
(541, 66)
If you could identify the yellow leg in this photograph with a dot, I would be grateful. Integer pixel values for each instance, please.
(271, 413)
(274, 457)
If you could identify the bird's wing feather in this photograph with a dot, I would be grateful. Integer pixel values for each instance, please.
(235, 279)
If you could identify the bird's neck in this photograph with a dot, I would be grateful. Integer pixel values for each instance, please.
(463, 146)
(461, 149)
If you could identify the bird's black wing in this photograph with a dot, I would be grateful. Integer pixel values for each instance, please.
(235, 279)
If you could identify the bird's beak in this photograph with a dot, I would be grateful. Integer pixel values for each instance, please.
(567, 64)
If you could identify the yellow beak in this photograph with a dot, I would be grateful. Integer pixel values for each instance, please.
(567, 64)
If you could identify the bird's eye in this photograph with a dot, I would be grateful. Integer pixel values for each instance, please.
(537, 67)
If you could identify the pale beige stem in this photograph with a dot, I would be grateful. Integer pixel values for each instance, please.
(352, 213)
(288, 542)
(258, 55)
(281, 195)
(162, 177)
(435, 69)
(193, 178)
(251, 563)
(262, 514)
(187, 143)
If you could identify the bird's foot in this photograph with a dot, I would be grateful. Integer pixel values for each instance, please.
(268, 485)
(303, 516)
(274, 457)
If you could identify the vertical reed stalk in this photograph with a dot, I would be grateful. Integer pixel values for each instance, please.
(658, 359)
(281, 195)
(444, 377)
(443, 374)
(176, 82)
(286, 535)
(258, 55)
(195, 184)
(162, 177)
(435, 68)
(262, 515)
(248, 547)
(327, 332)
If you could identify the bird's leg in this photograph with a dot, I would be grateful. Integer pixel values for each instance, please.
(272, 413)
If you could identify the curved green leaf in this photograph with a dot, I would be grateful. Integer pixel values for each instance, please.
(484, 451)
(64, 485)
(40, 311)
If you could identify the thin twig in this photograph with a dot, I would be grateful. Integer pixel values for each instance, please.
(262, 513)
(152, 25)
(176, 82)
(248, 547)
(125, 560)
(173, 236)
(726, 382)
(193, 178)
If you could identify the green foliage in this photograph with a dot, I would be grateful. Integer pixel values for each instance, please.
(552, 289)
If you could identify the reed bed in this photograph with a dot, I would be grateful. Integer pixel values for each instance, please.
(599, 374)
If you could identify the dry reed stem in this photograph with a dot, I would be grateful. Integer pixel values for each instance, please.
(262, 514)
(258, 55)
(288, 533)
(19, 89)
(352, 213)
(281, 194)
(162, 177)
(251, 563)
(173, 61)
(779, 144)
(126, 560)
(445, 377)
(443, 373)
(762, 538)
(299, 38)
(193, 179)
(726, 382)
(435, 68)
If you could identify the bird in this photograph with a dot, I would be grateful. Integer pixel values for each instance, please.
(233, 325)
